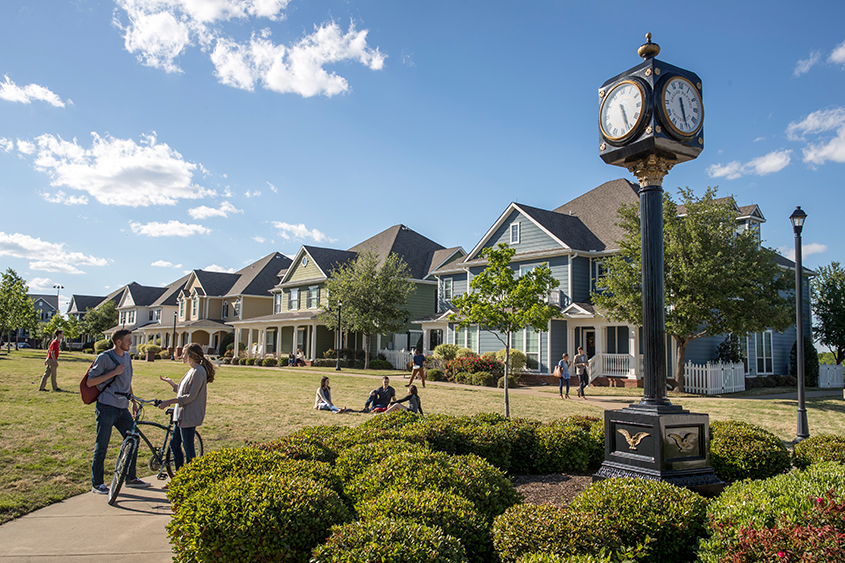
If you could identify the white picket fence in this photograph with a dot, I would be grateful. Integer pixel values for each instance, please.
(830, 376)
(397, 358)
(714, 378)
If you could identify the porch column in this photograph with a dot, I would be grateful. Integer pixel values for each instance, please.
(633, 349)
(249, 343)
(278, 342)
(427, 340)
(599, 331)
(293, 340)
(237, 351)
(264, 342)
(314, 342)
(378, 342)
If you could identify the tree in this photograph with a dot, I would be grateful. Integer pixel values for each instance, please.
(96, 321)
(502, 303)
(17, 309)
(717, 280)
(373, 297)
(829, 308)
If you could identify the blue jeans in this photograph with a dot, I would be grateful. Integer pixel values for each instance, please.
(183, 438)
(108, 416)
(560, 383)
(372, 401)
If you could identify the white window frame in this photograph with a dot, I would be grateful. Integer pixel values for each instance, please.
(767, 352)
(237, 305)
(225, 310)
(293, 302)
(313, 297)
(182, 308)
(512, 232)
(277, 303)
(447, 289)
(195, 305)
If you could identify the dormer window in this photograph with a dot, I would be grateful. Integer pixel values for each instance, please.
(195, 305)
(225, 312)
(182, 308)
(515, 233)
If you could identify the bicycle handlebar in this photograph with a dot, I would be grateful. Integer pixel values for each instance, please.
(154, 402)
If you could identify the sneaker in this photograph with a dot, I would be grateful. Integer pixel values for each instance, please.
(57, 390)
(136, 483)
(366, 410)
(100, 489)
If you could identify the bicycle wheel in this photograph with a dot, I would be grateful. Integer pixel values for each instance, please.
(168, 460)
(154, 435)
(121, 468)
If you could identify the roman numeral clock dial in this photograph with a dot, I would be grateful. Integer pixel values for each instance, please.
(622, 111)
(681, 107)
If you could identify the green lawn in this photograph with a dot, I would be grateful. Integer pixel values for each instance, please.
(46, 439)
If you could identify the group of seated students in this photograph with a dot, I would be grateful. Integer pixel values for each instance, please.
(297, 359)
(382, 399)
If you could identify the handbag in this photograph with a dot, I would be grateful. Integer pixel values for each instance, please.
(90, 394)
(558, 372)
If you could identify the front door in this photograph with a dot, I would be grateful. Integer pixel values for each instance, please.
(589, 342)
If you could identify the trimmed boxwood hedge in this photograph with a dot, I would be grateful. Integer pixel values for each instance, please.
(358, 459)
(454, 514)
(257, 518)
(784, 501)
(299, 447)
(467, 475)
(389, 541)
(739, 450)
(637, 509)
(561, 447)
(817, 449)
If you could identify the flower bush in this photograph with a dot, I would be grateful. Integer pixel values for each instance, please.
(739, 450)
(474, 364)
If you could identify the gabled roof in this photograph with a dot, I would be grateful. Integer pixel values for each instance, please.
(51, 300)
(326, 259)
(415, 249)
(171, 292)
(81, 303)
(442, 257)
(597, 211)
(261, 276)
(142, 295)
(785, 262)
(569, 230)
(216, 284)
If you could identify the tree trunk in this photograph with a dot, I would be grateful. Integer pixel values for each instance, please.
(679, 364)
(367, 351)
(507, 370)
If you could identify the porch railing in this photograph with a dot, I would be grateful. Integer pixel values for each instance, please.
(714, 378)
(830, 376)
(611, 365)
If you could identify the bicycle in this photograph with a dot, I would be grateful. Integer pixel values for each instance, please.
(161, 458)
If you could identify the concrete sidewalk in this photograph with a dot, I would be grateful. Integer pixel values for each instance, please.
(86, 529)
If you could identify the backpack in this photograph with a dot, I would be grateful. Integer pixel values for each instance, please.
(90, 394)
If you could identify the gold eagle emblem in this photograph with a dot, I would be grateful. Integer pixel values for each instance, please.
(686, 442)
(633, 441)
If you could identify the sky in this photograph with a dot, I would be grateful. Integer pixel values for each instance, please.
(141, 139)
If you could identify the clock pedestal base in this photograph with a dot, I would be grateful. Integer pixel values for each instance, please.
(659, 442)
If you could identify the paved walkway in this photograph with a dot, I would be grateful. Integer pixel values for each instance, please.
(86, 529)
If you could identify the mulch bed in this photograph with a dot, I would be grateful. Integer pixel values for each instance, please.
(555, 488)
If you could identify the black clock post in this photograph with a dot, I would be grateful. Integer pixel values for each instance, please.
(650, 119)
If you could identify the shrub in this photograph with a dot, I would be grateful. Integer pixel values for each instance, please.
(165, 354)
(231, 346)
(562, 447)
(488, 441)
(739, 450)
(463, 378)
(439, 431)
(512, 382)
(226, 361)
(299, 447)
(808, 544)
(269, 362)
(518, 359)
(753, 383)
(154, 348)
(87, 350)
(390, 421)
(157, 356)
(811, 362)
(249, 361)
(468, 476)
(548, 530)
(453, 514)
(783, 501)
(465, 353)
(638, 509)
(330, 354)
(256, 518)
(380, 364)
(816, 449)
(523, 437)
(236, 360)
(435, 375)
(595, 428)
(102, 345)
(445, 352)
(358, 459)
(388, 541)
(483, 379)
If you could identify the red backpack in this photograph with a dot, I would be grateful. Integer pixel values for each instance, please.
(90, 394)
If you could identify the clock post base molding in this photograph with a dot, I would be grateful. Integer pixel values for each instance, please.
(659, 442)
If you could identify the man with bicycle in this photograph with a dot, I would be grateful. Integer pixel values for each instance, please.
(111, 373)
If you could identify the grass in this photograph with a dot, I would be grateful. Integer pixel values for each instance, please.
(47, 439)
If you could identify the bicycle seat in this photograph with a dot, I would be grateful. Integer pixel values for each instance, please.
(169, 411)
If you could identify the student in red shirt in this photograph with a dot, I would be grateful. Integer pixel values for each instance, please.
(52, 363)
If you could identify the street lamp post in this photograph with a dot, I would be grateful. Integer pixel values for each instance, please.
(173, 342)
(797, 218)
(339, 336)
(58, 287)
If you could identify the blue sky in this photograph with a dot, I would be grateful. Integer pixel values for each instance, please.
(143, 138)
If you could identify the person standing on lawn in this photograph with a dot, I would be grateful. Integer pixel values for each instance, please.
(419, 368)
(52, 363)
(581, 365)
(111, 373)
(191, 395)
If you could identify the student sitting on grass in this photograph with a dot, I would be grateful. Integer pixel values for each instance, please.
(414, 403)
(380, 398)
(323, 401)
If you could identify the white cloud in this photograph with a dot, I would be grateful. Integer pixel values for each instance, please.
(7, 145)
(41, 284)
(169, 229)
(46, 256)
(204, 212)
(26, 147)
(806, 250)
(216, 268)
(831, 147)
(11, 92)
(272, 188)
(775, 161)
(838, 54)
(118, 171)
(165, 264)
(259, 239)
(289, 231)
(255, 193)
(803, 66)
(227, 192)
(63, 198)
(158, 32)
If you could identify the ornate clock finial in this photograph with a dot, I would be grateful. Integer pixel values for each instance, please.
(649, 50)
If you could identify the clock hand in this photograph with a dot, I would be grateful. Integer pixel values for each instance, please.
(683, 112)
(624, 115)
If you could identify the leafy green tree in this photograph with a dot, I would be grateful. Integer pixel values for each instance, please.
(373, 296)
(96, 321)
(501, 302)
(717, 281)
(17, 309)
(50, 328)
(829, 308)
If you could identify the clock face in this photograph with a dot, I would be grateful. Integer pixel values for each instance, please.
(681, 107)
(622, 110)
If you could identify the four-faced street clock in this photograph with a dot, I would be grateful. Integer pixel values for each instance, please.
(654, 109)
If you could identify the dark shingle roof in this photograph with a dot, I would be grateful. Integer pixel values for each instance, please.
(84, 302)
(327, 259)
(171, 292)
(414, 248)
(439, 256)
(144, 295)
(51, 300)
(597, 210)
(261, 276)
(571, 230)
(216, 283)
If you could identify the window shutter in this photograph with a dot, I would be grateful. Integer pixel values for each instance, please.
(318, 297)
(290, 298)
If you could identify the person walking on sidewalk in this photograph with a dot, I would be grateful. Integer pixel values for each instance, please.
(52, 363)
(111, 373)
(581, 365)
